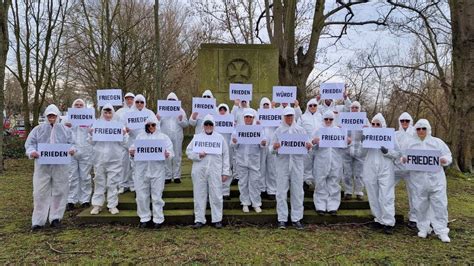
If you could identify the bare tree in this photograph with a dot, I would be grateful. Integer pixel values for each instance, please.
(4, 6)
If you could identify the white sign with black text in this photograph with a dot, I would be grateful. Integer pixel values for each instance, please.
(207, 144)
(334, 91)
(107, 131)
(332, 137)
(136, 120)
(270, 117)
(241, 92)
(169, 108)
(352, 120)
(150, 150)
(293, 144)
(84, 117)
(54, 153)
(375, 138)
(112, 96)
(246, 134)
(204, 106)
(423, 160)
(224, 124)
(284, 94)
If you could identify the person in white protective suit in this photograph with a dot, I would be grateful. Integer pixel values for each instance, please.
(430, 198)
(248, 167)
(311, 120)
(80, 181)
(296, 107)
(150, 178)
(353, 162)
(108, 165)
(173, 127)
(224, 110)
(267, 159)
(289, 168)
(197, 121)
(327, 171)
(329, 104)
(208, 172)
(404, 134)
(126, 174)
(140, 106)
(379, 180)
(50, 181)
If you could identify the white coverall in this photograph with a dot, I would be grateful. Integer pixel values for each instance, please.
(207, 175)
(80, 181)
(247, 157)
(227, 183)
(430, 188)
(310, 122)
(327, 173)
(267, 158)
(403, 138)
(108, 159)
(173, 128)
(289, 169)
(150, 179)
(379, 180)
(198, 122)
(50, 182)
(323, 107)
(126, 174)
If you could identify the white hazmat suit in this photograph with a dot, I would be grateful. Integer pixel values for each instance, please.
(267, 159)
(199, 120)
(126, 174)
(226, 184)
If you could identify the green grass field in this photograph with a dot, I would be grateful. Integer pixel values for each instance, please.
(342, 244)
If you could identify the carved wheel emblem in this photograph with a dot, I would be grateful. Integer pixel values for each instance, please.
(238, 71)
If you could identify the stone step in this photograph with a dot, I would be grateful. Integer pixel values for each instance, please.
(186, 217)
(127, 202)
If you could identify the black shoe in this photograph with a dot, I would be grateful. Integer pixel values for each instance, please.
(36, 227)
(332, 213)
(348, 197)
(281, 225)
(177, 180)
(320, 212)
(305, 186)
(227, 197)
(271, 197)
(359, 197)
(197, 225)
(85, 205)
(412, 225)
(218, 225)
(298, 225)
(70, 207)
(56, 223)
(376, 225)
(156, 226)
(143, 224)
(388, 230)
(234, 182)
(263, 195)
(167, 181)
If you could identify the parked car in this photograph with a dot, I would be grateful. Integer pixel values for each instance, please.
(19, 131)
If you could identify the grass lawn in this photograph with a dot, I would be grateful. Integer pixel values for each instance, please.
(344, 244)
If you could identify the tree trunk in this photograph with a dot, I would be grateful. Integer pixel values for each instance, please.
(460, 101)
(156, 94)
(4, 5)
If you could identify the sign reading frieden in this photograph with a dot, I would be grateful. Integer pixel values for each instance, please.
(284, 94)
(374, 138)
(293, 144)
(150, 150)
(224, 124)
(107, 131)
(207, 144)
(423, 160)
(81, 116)
(249, 134)
(333, 91)
(54, 153)
(270, 117)
(204, 106)
(112, 96)
(332, 137)
(241, 92)
(352, 120)
(136, 120)
(169, 108)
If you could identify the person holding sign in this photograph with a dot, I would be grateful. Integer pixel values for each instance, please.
(173, 128)
(267, 159)
(378, 177)
(353, 162)
(108, 160)
(289, 168)
(311, 120)
(140, 107)
(224, 110)
(248, 167)
(150, 177)
(208, 173)
(296, 107)
(329, 104)
(327, 171)
(50, 181)
(430, 187)
(127, 168)
(238, 109)
(80, 183)
(196, 121)
(403, 135)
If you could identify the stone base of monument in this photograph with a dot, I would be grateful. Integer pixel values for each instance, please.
(178, 209)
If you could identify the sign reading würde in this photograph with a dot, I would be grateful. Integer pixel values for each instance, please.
(352, 120)
(112, 96)
(54, 153)
(375, 138)
(241, 92)
(107, 131)
(81, 116)
(333, 91)
(270, 117)
(293, 144)
(284, 94)
(207, 144)
(423, 160)
(169, 108)
(150, 150)
(332, 137)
